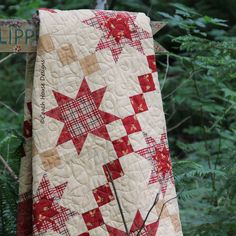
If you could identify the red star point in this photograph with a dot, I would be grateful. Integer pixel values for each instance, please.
(147, 230)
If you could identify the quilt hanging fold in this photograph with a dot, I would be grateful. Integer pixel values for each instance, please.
(96, 154)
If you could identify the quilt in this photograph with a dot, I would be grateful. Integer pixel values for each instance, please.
(96, 158)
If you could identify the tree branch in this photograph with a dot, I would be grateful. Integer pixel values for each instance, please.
(167, 69)
(171, 199)
(162, 208)
(154, 204)
(8, 107)
(101, 4)
(5, 58)
(118, 201)
(180, 123)
(8, 168)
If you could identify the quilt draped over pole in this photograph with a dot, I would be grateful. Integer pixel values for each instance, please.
(96, 158)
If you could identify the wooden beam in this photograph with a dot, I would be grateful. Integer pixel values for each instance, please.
(20, 36)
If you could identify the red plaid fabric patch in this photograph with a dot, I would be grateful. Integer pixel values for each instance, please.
(81, 115)
(148, 153)
(48, 214)
(25, 196)
(119, 29)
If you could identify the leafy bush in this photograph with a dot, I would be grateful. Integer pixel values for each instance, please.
(199, 91)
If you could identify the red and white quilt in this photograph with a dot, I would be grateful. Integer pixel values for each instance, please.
(96, 153)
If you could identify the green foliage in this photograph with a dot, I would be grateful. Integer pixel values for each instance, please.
(204, 74)
(199, 101)
(10, 148)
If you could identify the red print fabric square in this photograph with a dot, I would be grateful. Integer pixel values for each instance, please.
(93, 218)
(146, 82)
(24, 217)
(103, 194)
(27, 128)
(114, 168)
(131, 124)
(138, 102)
(85, 234)
(29, 106)
(152, 63)
(122, 146)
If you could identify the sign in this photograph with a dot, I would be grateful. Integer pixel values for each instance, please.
(18, 36)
